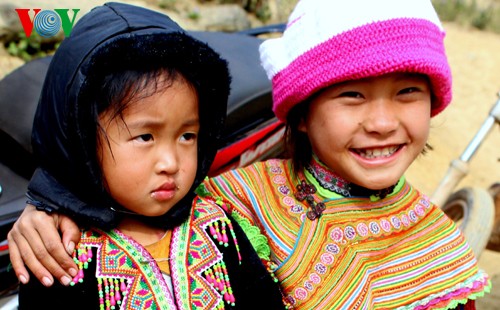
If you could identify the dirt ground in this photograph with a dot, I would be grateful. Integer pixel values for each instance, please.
(475, 61)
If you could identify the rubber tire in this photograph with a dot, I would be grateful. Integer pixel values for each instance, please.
(473, 210)
(494, 241)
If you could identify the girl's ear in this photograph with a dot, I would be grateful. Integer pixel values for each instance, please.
(302, 126)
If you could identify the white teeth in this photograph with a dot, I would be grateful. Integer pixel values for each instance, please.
(377, 153)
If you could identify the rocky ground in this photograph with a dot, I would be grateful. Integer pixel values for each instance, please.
(475, 60)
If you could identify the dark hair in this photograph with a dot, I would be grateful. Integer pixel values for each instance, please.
(120, 89)
(297, 144)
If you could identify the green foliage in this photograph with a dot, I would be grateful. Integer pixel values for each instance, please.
(450, 10)
(259, 7)
(167, 4)
(30, 48)
(468, 12)
(481, 19)
(194, 14)
(494, 22)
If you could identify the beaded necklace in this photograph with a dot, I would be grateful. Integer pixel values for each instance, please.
(332, 182)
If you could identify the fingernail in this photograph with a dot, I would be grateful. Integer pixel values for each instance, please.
(73, 272)
(65, 280)
(46, 281)
(70, 248)
(23, 279)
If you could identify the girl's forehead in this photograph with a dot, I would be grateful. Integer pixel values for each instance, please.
(395, 76)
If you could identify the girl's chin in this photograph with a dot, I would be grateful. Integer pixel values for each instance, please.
(154, 213)
(378, 184)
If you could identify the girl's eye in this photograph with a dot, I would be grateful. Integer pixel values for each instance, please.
(189, 136)
(351, 94)
(409, 90)
(145, 137)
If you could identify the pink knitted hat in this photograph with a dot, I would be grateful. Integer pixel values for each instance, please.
(330, 41)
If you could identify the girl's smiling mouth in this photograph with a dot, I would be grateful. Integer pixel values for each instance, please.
(377, 152)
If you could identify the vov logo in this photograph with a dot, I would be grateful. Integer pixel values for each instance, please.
(47, 23)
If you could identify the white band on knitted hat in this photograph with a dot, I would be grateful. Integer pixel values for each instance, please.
(329, 41)
(309, 27)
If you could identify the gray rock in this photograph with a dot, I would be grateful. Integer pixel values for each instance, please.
(224, 17)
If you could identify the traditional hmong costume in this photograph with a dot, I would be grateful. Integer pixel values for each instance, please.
(212, 266)
(334, 251)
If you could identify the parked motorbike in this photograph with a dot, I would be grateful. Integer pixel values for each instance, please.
(251, 132)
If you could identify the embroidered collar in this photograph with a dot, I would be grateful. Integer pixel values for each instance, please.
(332, 182)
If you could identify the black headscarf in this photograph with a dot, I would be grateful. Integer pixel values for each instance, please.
(113, 37)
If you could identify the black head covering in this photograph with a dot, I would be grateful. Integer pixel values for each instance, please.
(114, 37)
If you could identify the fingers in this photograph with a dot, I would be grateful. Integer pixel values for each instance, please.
(37, 243)
(21, 253)
(51, 252)
(70, 233)
(70, 236)
(17, 261)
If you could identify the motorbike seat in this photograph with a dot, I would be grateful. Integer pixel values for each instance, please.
(19, 92)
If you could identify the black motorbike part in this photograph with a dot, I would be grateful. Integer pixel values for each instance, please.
(18, 100)
(19, 93)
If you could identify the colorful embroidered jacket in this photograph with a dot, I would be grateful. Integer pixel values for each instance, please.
(400, 252)
(213, 266)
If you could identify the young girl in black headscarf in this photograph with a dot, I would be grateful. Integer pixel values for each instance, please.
(125, 131)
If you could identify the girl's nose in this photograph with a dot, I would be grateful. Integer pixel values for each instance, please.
(167, 161)
(381, 117)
